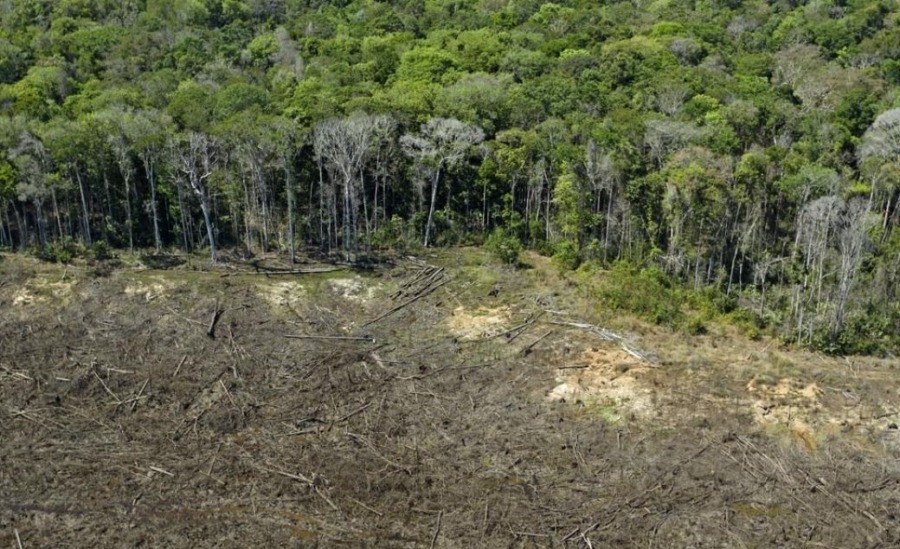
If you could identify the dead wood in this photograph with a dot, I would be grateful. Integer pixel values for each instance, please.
(216, 315)
(406, 303)
(338, 338)
(527, 349)
(300, 271)
(608, 335)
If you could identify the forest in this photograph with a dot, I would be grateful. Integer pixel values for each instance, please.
(738, 155)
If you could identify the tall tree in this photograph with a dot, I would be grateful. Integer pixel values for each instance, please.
(344, 143)
(441, 145)
(194, 154)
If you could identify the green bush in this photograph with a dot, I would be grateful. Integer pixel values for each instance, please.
(648, 293)
(62, 251)
(101, 251)
(504, 246)
(566, 256)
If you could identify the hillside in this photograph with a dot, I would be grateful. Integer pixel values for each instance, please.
(438, 401)
(742, 149)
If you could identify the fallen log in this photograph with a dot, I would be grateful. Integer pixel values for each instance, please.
(340, 338)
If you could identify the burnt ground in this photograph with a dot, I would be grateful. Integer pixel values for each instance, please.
(446, 403)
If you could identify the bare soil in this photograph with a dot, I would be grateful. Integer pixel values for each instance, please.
(433, 402)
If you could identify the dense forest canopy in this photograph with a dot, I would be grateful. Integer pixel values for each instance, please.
(746, 148)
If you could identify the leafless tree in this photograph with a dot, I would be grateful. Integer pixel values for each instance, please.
(194, 155)
(442, 144)
(816, 226)
(384, 155)
(881, 147)
(882, 139)
(344, 144)
(671, 97)
(605, 179)
(665, 136)
(853, 237)
(686, 50)
(795, 63)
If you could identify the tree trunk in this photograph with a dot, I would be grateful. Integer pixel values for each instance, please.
(59, 228)
(434, 188)
(362, 186)
(22, 226)
(39, 221)
(289, 189)
(207, 219)
(3, 238)
(109, 210)
(348, 227)
(151, 177)
(85, 217)
(129, 219)
(182, 215)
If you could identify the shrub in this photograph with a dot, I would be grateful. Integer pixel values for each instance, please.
(101, 251)
(504, 246)
(62, 251)
(648, 293)
(566, 256)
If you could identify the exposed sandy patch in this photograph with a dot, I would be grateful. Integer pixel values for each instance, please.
(353, 289)
(611, 377)
(790, 404)
(41, 290)
(481, 322)
(282, 294)
(150, 289)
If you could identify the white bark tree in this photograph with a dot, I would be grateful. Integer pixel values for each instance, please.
(194, 155)
(344, 144)
(442, 144)
(881, 145)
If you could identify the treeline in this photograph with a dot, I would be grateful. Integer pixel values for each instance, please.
(751, 149)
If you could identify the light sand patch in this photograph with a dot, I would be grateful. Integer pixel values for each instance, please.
(149, 289)
(354, 289)
(611, 378)
(788, 404)
(41, 290)
(282, 294)
(482, 322)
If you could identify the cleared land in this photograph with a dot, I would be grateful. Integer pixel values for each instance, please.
(437, 402)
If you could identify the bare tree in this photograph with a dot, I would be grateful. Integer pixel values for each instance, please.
(194, 155)
(442, 144)
(881, 145)
(384, 154)
(853, 237)
(604, 176)
(344, 143)
(671, 97)
(816, 226)
(664, 136)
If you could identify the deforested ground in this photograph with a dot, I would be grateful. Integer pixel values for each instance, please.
(436, 401)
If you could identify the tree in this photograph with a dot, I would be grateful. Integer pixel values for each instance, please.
(70, 144)
(344, 143)
(442, 144)
(604, 176)
(114, 121)
(852, 239)
(147, 132)
(881, 143)
(194, 155)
